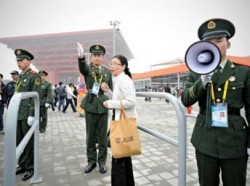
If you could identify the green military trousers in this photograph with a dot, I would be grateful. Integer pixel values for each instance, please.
(96, 131)
(233, 171)
(43, 119)
(26, 159)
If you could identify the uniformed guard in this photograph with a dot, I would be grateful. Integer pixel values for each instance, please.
(220, 135)
(96, 115)
(28, 81)
(46, 99)
(10, 87)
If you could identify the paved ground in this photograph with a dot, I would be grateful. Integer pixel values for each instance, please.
(63, 151)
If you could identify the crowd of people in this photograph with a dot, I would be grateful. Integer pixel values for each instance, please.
(221, 141)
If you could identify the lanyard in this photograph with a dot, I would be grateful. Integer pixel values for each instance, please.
(100, 80)
(224, 91)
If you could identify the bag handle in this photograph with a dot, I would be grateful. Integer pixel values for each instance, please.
(122, 113)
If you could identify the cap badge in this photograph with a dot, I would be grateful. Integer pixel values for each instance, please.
(211, 25)
(97, 47)
(18, 52)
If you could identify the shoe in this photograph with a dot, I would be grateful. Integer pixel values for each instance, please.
(103, 168)
(28, 174)
(89, 168)
(20, 170)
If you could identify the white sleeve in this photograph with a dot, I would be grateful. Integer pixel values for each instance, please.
(127, 89)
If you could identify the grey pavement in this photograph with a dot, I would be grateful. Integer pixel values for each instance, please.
(63, 151)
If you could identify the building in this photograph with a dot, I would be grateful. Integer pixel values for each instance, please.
(174, 75)
(57, 53)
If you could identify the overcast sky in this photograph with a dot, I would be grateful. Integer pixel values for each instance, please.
(155, 30)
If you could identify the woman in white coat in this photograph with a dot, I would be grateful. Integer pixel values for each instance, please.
(123, 93)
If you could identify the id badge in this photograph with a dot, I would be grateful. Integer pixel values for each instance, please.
(219, 115)
(95, 88)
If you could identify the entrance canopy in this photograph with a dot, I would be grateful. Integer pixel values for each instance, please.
(57, 53)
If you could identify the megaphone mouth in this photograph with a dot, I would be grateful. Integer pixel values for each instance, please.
(202, 57)
(206, 57)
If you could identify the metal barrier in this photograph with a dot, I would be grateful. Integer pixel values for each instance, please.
(11, 152)
(181, 142)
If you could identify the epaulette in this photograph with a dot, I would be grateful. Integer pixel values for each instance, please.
(32, 72)
(105, 68)
(239, 64)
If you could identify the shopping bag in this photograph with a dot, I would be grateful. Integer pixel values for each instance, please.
(124, 137)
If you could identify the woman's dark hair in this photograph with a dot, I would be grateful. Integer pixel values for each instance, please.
(124, 61)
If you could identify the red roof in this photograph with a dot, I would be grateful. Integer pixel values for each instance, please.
(183, 68)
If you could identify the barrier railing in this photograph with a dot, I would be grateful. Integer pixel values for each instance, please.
(181, 142)
(11, 152)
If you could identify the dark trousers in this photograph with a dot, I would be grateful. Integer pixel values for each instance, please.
(26, 159)
(60, 103)
(122, 172)
(75, 101)
(233, 171)
(96, 131)
(1, 115)
(52, 105)
(69, 101)
(43, 118)
(55, 101)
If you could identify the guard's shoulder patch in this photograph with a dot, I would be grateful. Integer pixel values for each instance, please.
(103, 67)
(38, 81)
(32, 72)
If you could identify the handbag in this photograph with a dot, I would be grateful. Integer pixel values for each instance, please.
(124, 137)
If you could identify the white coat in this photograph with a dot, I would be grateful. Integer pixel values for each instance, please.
(123, 92)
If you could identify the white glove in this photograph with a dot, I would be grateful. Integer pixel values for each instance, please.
(206, 78)
(80, 50)
(248, 151)
(31, 120)
(47, 105)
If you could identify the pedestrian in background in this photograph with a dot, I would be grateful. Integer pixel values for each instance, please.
(55, 95)
(148, 89)
(2, 85)
(167, 90)
(61, 96)
(69, 98)
(123, 95)
(46, 99)
(173, 90)
(10, 87)
(75, 92)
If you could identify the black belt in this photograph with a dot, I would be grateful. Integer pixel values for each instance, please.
(230, 111)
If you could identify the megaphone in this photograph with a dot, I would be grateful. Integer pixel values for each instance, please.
(202, 57)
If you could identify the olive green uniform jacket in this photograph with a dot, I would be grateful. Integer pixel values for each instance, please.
(27, 82)
(224, 143)
(46, 93)
(92, 103)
